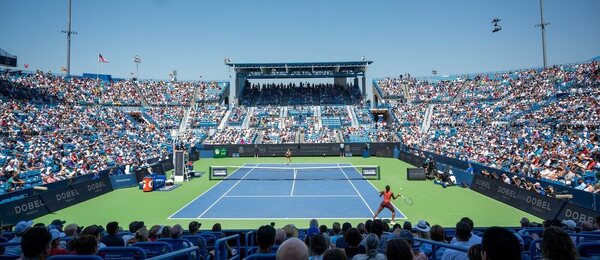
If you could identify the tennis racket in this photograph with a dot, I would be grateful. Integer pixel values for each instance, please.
(407, 200)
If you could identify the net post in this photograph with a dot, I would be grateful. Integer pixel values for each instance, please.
(378, 173)
(210, 172)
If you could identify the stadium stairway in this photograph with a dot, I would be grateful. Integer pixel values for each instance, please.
(406, 93)
(352, 116)
(282, 116)
(225, 119)
(246, 122)
(184, 121)
(318, 115)
(427, 120)
(458, 97)
(143, 100)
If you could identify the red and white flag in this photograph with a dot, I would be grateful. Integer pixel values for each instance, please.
(102, 59)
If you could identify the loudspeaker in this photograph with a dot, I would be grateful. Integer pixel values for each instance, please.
(415, 174)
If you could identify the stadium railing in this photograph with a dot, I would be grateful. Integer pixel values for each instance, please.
(221, 250)
(591, 250)
(69, 257)
(189, 252)
(436, 245)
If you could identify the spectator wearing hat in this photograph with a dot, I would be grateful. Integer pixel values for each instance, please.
(133, 228)
(112, 239)
(422, 231)
(20, 230)
(55, 247)
(57, 224)
(194, 227)
(35, 243)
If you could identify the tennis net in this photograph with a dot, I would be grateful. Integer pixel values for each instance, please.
(298, 173)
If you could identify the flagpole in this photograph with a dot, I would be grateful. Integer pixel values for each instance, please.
(97, 66)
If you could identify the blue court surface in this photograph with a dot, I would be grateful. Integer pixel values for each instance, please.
(296, 191)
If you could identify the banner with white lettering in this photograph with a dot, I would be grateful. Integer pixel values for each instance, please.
(65, 197)
(541, 206)
(28, 208)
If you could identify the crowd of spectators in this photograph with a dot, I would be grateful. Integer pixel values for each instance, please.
(210, 91)
(207, 115)
(64, 140)
(542, 128)
(373, 239)
(171, 93)
(232, 136)
(266, 117)
(237, 116)
(166, 117)
(278, 136)
(303, 94)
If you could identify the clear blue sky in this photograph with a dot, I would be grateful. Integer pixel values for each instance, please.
(401, 36)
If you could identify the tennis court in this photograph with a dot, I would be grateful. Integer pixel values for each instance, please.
(295, 191)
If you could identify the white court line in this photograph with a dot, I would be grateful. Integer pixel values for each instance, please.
(405, 216)
(271, 218)
(355, 189)
(293, 183)
(289, 196)
(224, 194)
(185, 206)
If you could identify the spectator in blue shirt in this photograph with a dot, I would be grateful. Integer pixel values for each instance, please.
(463, 235)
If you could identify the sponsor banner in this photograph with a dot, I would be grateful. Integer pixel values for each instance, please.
(278, 150)
(530, 202)
(65, 197)
(123, 181)
(578, 213)
(415, 174)
(541, 206)
(60, 198)
(93, 188)
(584, 199)
(28, 208)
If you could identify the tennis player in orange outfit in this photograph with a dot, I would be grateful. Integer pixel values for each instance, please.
(386, 203)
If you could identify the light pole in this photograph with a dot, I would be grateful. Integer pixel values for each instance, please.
(543, 25)
(137, 59)
(69, 33)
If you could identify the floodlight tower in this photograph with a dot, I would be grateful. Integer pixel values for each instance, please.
(543, 25)
(69, 33)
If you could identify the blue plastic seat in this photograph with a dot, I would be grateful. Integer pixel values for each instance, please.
(129, 252)
(589, 249)
(70, 257)
(153, 249)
